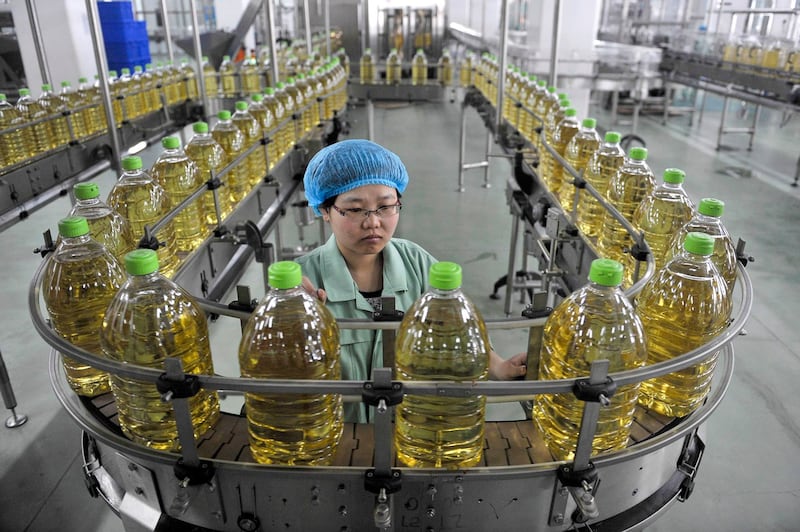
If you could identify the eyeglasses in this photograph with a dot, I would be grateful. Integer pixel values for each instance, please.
(386, 211)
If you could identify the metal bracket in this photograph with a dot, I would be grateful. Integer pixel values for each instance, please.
(689, 463)
(48, 247)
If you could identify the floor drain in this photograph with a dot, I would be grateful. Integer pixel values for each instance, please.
(737, 171)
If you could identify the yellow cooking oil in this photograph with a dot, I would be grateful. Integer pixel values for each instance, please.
(393, 67)
(684, 306)
(419, 68)
(601, 168)
(80, 279)
(366, 67)
(53, 107)
(231, 139)
(106, 225)
(149, 320)
(289, 129)
(441, 338)
(291, 335)
(36, 132)
(71, 101)
(267, 122)
(227, 76)
(210, 78)
(563, 133)
(143, 202)
(209, 157)
(577, 154)
(277, 133)
(12, 143)
(256, 162)
(298, 104)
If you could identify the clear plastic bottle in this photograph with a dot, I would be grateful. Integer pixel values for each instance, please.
(80, 279)
(660, 216)
(629, 186)
(180, 177)
(210, 77)
(291, 335)
(189, 79)
(139, 83)
(106, 225)
(419, 68)
(266, 120)
(466, 70)
(577, 154)
(152, 85)
(601, 168)
(132, 102)
(556, 112)
(149, 320)
(566, 129)
(441, 337)
(227, 75)
(256, 162)
(94, 115)
(250, 76)
(367, 67)
(175, 87)
(298, 105)
(38, 134)
(231, 139)
(596, 322)
(71, 100)
(393, 67)
(54, 107)
(115, 91)
(12, 143)
(707, 219)
(311, 111)
(143, 202)
(288, 131)
(278, 132)
(547, 98)
(209, 157)
(685, 305)
(444, 69)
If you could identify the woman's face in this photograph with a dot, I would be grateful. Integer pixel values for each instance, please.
(359, 235)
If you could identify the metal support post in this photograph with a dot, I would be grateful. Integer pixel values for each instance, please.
(44, 70)
(501, 73)
(554, 43)
(168, 33)
(273, 53)
(370, 119)
(512, 254)
(756, 114)
(9, 400)
(485, 163)
(721, 129)
(307, 26)
(327, 17)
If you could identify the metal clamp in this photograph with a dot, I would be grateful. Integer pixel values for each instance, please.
(171, 388)
(601, 392)
(382, 397)
(691, 454)
(192, 475)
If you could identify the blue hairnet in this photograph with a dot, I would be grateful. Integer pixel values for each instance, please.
(350, 164)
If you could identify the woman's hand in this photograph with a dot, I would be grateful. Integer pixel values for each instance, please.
(309, 287)
(501, 369)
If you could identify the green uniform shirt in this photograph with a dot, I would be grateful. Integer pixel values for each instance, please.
(405, 277)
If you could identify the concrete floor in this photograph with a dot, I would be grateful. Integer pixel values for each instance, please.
(747, 479)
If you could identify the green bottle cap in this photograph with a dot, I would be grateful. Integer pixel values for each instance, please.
(257, 97)
(2, 97)
(563, 96)
(224, 115)
(605, 272)
(241, 106)
(284, 274)
(269, 90)
(82, 80)
(699, 244)
(200, 127)
(132, 163)
(138, 69)
(638, 154)
(73, 226)
(445, 275)
(24, 92)
(280, 85)
(46, 87)
(675, 176)
(171, 143)
(226, 58)
(141, 262)
(589, 123)
(86, 191)
(65, 83)
(205, 58)
(541, 83)
(112, 73)
(532, 77)
(126, 71)
(612, 137)
(571, 112)
(711, 207)
(551, 89)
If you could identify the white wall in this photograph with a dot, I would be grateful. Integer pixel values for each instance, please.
(228, 14)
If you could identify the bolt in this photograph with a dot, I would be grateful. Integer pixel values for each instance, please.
(315, 500)
(558, 519)
(315, 490)
(563, 491)
(343, 511)
(431, 512)
(211, 488)
(217, 515)
(458, 499)
(603, 399)
(382, 408)
(132, 466)
(139, 491)
(432, 491)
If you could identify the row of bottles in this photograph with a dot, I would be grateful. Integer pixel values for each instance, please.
(394, 73)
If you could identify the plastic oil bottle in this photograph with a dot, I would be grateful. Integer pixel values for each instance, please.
(444, 69)
(291, 335)
(69, 100)
(419, 68)
(601, 168)
(466, 70)
(151, 84)
(708, 219)
(564, 132)
(441, 337)
(367, 67)
(256, 162)
(210, 77)
(629, 186)
(278, 132)
(53, 106)
(660, 216)
(95, 116)
(684, 306)
(231, 139)
(115, 90)
(180, 177)
(131, 103)
(250, 76)
(38, 134)
(289, 129)
(227, 75)
(393, 67)
(80, 279)
(209, 157)
(12, 143)
(577, 154)
(311, 111)
(143, 202)
(106, 225)
(190, 79)
(139, 91)
(298, 103)
(596, 322)
(149, 320)
(266, 120)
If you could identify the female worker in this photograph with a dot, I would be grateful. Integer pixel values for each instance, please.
(356, 185)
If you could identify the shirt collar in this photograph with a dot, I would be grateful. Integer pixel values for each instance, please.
(338, 283)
